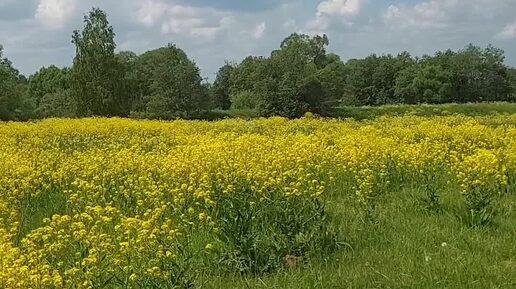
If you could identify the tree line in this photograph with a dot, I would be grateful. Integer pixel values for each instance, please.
(301, 76)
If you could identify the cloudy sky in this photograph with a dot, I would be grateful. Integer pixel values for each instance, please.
(37, 33)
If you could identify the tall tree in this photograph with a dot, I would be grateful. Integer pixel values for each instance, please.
(221, 87)
(512, 79)
(48, 80)
(372, 80)
(307, 49)
(170, 83)
(333, 78)
(49, 90)
(287, 83)
(477, 74)
(97, 77)
(130, 89)
(13, 104)
(293, 87)
(298, 77)
(423, 84)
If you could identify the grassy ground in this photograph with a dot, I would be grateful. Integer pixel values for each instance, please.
(404, 245)
(411, 238)
(372, 112)
(471, 109)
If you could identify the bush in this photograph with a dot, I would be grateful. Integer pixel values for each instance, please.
(245, 100)
(257, 233)
(481, 208)
(58, 104)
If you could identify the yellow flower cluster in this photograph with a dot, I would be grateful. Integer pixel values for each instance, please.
(106, 202)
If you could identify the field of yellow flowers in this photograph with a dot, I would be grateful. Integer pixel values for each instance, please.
(118, 203)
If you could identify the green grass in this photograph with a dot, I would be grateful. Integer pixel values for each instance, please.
(470, 109)
(400, 244)
(403, 245)
(237, 113)
(372, 112)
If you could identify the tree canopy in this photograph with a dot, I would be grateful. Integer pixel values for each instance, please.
(169, 83)
(96, 73)
(300, 76)
(12, 91)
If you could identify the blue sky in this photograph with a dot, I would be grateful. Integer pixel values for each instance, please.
(37, 33)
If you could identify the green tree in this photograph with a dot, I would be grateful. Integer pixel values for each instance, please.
(97, 76)
(246, 74)
(477, 74)
(372, 80)
(49, 91)
(57, 104)
(13, 101)
(221, 87)
(298, 77)
(245, 99)
(424, 84)
(169, 83)
(512, 80)
(306, 49)
(333, 78)
(495, 84)
(288, 83)
(128, 61)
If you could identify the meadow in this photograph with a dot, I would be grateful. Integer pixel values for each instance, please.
(373, 112)
(392, 202)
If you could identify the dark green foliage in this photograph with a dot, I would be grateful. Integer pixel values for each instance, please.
(96, 74)
(48, 80)
(221, 87)
(49, 90)
(245, 99)
(423, 84)
(372, 80)
(13, 101)
(257, 234)
(297, 78)
(129, 78)
(295, 89)
(476, 74)
(247, 74)
(512, 79)
(333, 78)
(481, 208)
(57, 104)
(469, 75)
(169, 84)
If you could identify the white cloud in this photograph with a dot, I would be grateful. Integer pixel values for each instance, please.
(259, 30)
(508, 32)
(199, 22)
(339, 7)
(317, 25)
(55, 13)
(151, 12)
(424, 15)
(331, 11)
(210, 34)
(290, 24)
(438, 14)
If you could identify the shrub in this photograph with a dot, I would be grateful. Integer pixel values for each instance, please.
(245, 100)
